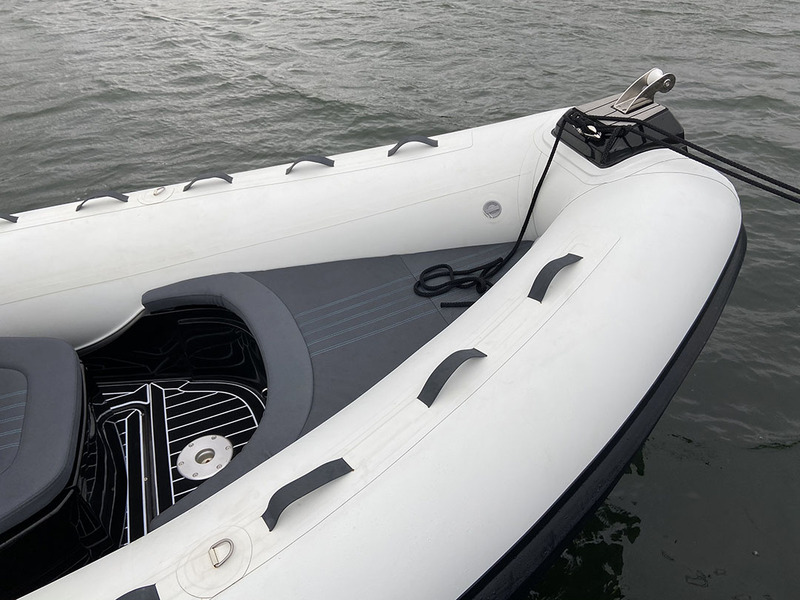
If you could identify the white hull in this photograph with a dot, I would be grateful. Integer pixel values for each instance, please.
(437, 495)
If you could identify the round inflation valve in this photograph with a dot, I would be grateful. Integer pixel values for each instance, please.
(204, 457)
(492, 209)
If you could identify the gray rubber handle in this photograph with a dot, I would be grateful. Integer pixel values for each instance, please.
(107, 194)
(413, 138)
(301, 486)
(444, 371)
(315, 158)
(223, 176)
(548, 273)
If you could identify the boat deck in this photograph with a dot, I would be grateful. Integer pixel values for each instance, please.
(160, 385)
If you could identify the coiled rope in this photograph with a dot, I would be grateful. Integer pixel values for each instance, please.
(479, 276)
(441, 278)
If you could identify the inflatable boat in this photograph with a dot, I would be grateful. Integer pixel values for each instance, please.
(408, 371)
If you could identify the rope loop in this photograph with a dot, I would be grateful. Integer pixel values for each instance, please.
(480, 276)
(465, 279)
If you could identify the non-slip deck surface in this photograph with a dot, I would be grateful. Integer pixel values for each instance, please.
(152, 422)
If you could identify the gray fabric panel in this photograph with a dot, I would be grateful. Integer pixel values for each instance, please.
(360, 320)
(286, 361)
(13, 398)
(343, 375)
(49, 438)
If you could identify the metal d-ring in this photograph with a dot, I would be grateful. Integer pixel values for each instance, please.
(212, 552)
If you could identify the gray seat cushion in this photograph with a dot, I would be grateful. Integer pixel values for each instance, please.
(282, 347)
(41, 399)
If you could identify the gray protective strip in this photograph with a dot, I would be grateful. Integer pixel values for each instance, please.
(286, 359)
(148, 592)
(301, 486)
(444, 371)
(548, 273)
(282, 346)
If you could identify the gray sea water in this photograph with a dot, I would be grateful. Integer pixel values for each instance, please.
(128, 94)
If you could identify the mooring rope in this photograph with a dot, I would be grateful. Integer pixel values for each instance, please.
(480, 276)
(680, 145)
